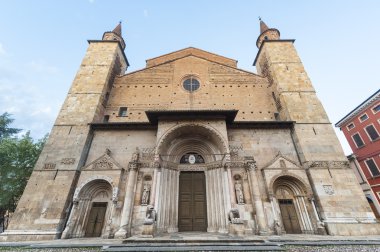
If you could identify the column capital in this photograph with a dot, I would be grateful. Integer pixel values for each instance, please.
(133, 166)
(250, 165)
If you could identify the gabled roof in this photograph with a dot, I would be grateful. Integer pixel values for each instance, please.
(191, 51)
(358, 109)
(104, 162)
(275, 163)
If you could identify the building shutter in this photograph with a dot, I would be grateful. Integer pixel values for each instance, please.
(372, 132)
(372, 166)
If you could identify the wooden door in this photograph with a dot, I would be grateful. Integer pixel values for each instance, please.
(289, 216)
(96, 219)
(192, 202)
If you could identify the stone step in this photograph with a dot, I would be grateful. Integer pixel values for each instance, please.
(204, 246)
(202, 241)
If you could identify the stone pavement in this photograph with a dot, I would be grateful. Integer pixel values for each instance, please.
(194, 241)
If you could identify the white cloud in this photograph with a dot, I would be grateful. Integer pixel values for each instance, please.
(2, 50)
(31, 95)
(146, 13)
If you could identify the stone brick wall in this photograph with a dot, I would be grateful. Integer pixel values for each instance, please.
(221, 87)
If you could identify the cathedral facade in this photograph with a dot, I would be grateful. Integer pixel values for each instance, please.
(191, 143)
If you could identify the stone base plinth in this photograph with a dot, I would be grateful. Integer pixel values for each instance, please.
(148, 231)
(236, 229)
(353, 228)
(29, 235)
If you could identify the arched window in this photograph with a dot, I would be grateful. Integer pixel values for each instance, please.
(191, 158)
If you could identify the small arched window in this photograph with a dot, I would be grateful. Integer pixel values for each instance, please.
(192, 158)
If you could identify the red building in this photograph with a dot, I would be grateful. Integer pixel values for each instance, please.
(362, 130)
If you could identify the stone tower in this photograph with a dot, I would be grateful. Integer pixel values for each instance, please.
(338, 196)
(43, 209)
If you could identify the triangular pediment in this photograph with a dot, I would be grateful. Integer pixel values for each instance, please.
(104, 162)
(281, 162)
(191, 51)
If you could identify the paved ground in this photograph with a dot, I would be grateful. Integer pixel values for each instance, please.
(202, 242)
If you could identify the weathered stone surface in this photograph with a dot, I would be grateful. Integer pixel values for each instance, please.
(280, 155)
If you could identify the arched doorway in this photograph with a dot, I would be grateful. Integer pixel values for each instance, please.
(194, 188)
(289, 216)
(373, 207)
(291, 195)
(192, 202)
(91, 211)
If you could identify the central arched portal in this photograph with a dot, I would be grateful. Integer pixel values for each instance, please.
(192, 211)
(193, 189)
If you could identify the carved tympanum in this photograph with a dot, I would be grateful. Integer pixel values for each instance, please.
(103, 163)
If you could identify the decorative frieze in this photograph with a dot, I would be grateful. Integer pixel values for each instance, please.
(133, 165)
(49, 166)
(328, 164)
(68, 161)
(232, 165)
(103, 164)
(328, 189)
(147, 154)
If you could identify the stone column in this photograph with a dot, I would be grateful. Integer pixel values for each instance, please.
(128, 201)
(216, 200)
(231, 185)
(156, 174)
(68, 229)
(256, 197)
(305, 219)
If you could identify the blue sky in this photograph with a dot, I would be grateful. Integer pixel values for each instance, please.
(42, 44)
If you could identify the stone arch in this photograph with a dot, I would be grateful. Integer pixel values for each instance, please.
(89, 180)
(176, 141)
(199, 129)
(300, 182)
(293, 207)
(95, 191)
(94, 187)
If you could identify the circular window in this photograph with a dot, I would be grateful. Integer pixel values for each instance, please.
(191, 84)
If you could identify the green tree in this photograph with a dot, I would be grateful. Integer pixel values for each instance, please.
(5, 130)
(18, 156)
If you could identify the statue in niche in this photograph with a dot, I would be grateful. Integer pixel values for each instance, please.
(150, 217)
(145, 194)
(135, 155)
(239, 192)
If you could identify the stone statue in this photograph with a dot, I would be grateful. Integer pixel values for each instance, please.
(150, 217)
(234, 216)
(135, 155)
(145, 194)
(239, 193)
